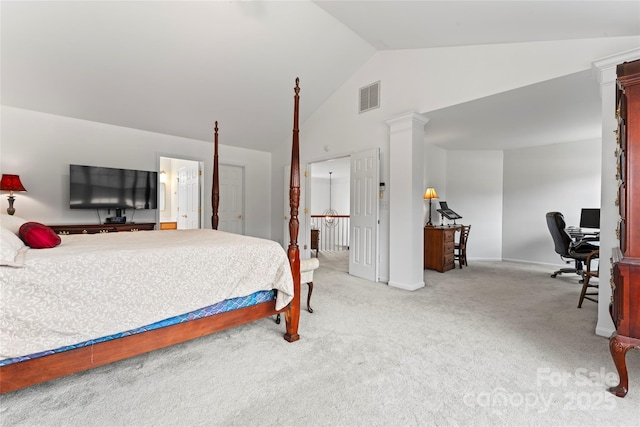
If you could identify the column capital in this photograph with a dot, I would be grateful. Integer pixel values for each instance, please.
(403, 120)
(605, 68)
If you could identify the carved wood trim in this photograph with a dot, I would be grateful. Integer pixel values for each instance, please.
(215, 187)
(292, 316)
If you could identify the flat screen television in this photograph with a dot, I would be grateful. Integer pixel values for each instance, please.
(94, 187)
(590, 218)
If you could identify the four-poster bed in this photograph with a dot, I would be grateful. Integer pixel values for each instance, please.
(20, 372)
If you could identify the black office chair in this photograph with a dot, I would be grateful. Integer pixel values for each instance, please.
(566, 247)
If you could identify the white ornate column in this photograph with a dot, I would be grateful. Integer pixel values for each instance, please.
(605, 70)
(406, 177)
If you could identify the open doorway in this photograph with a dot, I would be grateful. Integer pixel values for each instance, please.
(180, 193)
(329, 209)
(350, 185)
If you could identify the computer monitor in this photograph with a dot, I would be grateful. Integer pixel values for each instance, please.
(590, 218)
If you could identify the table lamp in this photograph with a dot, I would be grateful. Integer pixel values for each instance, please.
(11, 183)
(429, 195)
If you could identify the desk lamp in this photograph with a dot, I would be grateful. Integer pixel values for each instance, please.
(11, 183)
(429, 195)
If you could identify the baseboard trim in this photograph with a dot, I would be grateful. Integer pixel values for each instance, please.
(480, 259)
(406, 286)
(544, 264)
(604, 331)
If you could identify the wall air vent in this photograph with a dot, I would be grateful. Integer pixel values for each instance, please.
(370, 97)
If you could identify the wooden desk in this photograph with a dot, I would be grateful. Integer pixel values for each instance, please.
(101, 228)
(439, 243)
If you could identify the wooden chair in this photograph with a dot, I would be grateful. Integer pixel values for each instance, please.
(586, 277)
(460, 248)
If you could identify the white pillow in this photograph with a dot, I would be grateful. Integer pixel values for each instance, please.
(11, 222)
(10, 247)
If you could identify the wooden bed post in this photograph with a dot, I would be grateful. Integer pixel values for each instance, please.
(215, 188)
(292, 315)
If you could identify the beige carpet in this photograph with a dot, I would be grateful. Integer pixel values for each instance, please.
(336, 260)
(492, 344)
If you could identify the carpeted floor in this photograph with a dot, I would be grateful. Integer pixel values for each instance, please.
(492, 344)
(336, 260)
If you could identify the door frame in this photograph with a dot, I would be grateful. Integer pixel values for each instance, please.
(305, 225)
(201, 183)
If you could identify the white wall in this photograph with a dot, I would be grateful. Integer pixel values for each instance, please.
(423, 80)
(257, 187)
(558, 177)
(435, 175)
(504, 195)
(474, 191)
(169, 211)
(339, 195)
(39, 147)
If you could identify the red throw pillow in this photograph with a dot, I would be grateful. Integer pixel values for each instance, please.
(38, 236)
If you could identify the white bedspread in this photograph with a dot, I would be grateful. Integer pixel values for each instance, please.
(96, 285)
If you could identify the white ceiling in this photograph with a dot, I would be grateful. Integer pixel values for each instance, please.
(425, 24)
(565, 109)
(339, 168)
(176, 67)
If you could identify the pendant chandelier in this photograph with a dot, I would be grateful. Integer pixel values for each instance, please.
(329, 214)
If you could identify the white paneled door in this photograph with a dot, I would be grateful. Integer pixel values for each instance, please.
(363, 249)
(188, 197)
(231, 210)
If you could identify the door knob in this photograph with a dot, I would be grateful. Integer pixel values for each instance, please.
(239, 216)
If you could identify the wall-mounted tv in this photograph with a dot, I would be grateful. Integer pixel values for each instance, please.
(94, 187)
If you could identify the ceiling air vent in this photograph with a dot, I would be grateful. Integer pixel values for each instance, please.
(370, 97)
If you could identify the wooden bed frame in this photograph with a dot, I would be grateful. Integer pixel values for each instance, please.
(29, 372)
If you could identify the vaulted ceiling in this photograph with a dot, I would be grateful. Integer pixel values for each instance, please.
(176, 67)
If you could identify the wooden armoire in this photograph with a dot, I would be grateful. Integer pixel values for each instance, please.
(625, 283)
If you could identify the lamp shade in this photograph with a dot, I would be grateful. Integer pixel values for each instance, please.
(11, 183)
(430, 193)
